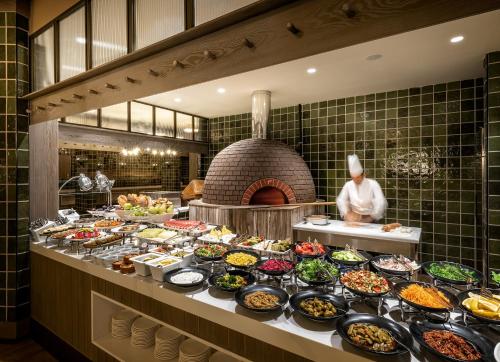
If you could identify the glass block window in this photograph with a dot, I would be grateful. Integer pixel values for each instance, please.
(164, 122)
(200, 129)
(184, 126)
(72, 44)
(88, 118)
(156, 20)
(115, 117)
(141, 118)
(43, 59)
(109, 30)
(206, 10)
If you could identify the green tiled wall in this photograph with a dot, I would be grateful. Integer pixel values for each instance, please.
(492, 99)
(420, 144)
(14, 163)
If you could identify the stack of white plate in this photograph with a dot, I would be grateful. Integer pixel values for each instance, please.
(143, 333)
(167, 344)
(222, 357)
(121, 323)
(193, 351)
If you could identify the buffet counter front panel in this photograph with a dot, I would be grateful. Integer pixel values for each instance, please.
(368, 237)
(63, 285)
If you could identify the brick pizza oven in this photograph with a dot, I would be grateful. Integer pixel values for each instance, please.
(258, 171)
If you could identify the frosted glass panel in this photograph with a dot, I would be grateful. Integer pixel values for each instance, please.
(72, 44)
(164, 122)
(141, 118)
(109, 30)
(43, 59)
(156, 20)
(205, 10)
(184, 126)
(115, 117)
(88, 118)
(200, 129)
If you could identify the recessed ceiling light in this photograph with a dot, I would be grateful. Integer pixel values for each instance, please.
(221, 90)
(311, 70)
(177, 100)
(374, 57)
(457, 39)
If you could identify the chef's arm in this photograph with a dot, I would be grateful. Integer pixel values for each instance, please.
(343, 202)
(379, 202)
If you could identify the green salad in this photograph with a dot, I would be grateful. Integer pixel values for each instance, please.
(495, 277)
(451, 272)
(346, 255)
(315, 270)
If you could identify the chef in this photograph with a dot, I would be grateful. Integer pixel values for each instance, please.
(361, 199)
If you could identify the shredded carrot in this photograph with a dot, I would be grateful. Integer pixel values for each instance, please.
(423, 296)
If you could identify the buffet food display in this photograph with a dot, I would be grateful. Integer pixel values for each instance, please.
(309, 275)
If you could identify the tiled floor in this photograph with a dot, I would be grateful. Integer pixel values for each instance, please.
(24, 350)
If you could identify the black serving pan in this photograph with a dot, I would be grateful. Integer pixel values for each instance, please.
(338, 302)
(208, 258)
(316, 282)
(465, 294)
(365, 294)
(482, 344)
(347, 262)
(389, 271)
(274, 273)
(478, 276)
(280, 293)
(167, 278)
(398, 287)
(248, 277)
(395, 329)
(243, 251)
(306, 256)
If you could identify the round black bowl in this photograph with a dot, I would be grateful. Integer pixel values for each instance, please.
(389, 271)
(316, 282)
(394, 329)
(347, 262)
(207, 258)
(243, 251)
(273, 273)
(167, 278)
(338, 302)
(248, 277)
(398, 287)
(478, 276)
(366, 294)
(280, 293)
(482, 344)
(465, 294)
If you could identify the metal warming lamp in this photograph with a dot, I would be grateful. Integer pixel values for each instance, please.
(101, 184)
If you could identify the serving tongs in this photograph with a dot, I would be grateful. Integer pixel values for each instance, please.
(354, 251)
(435, 292)
(401, 261)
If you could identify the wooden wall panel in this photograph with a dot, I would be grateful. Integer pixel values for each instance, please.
(44, 170)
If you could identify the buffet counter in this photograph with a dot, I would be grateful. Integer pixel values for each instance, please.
(368, 237)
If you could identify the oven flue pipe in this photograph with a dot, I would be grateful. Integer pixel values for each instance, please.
(261, 106)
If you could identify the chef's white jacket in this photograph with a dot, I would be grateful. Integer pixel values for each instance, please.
(364, 199)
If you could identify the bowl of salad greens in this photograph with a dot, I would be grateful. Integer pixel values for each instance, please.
(495, 277)
(348, 257)
(453, 273)
(316, 272)
(232, 280)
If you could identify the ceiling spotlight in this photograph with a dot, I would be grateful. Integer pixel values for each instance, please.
(221, 90)
(169, 151)
(177, 100)
(155, 152)
(124, 152)
(174, 153)
(162, 153)
(148, 149)
(457, 39)
(311, 70)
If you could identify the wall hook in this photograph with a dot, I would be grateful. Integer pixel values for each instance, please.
(292, 29)
(77, 96)
(50, 104)
(40, 108)
(92, 91)
(109, 86)
(248, 43)
(348, 10)
(130, 80)
(153, 73)
(62, 100)
(177, 64)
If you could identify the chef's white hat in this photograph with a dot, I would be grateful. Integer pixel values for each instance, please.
(355, 168)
